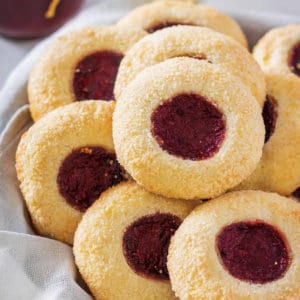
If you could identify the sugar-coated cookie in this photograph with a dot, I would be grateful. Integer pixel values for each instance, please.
(64, 162)
(242, 245)
(198, 42)
(165, 13)
(278, 52)
(122, 242)
(80, 65)
(182, 129)
(279, 169)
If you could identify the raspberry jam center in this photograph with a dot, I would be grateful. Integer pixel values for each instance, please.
(85, 173)
(294, 59)
(146, 242)
(189, 126)
(253, 251)
(95, 76)
(270, 116)
(163, 25)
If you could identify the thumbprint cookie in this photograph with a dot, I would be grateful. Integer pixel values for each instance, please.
(64, 162)
(278, 52)
(122, 242)
(165, 13)
(78, 66)
(182, 129)
(196, 42)
(243, 245)
(279, 169)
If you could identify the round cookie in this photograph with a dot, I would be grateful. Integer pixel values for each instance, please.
(279, 169)
(182, 129)
(197, 42)
(243, 245)
(64, 162)
(80, 65)
(121, 244)
(165, 13)
(278, 52)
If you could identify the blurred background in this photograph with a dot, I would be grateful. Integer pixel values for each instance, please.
(13, 50)
(291, 7)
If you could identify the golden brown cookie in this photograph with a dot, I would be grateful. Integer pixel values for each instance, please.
(80, 65)
(182, 129)
(278, 52)
(279, 169)
(243, 245)
(64, 162)
(122, 242)
(198, 42)
(165, 13)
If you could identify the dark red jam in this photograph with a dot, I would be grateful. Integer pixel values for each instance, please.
(163, 25)
(270, 116)
(294, 59)
(253, 251)
(95, 75)
(296, 194)
(189, 126)
(146, 243)
(85, 173)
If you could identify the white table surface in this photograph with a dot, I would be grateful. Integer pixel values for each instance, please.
(12, 51)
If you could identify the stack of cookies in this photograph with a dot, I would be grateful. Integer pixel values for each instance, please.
(156, 147)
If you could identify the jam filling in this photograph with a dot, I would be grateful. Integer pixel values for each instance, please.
(189, 126)
(270, 116)
(253, 251)
(294, 59)
(296, 194)
(85, 173)
(163, 25)
(146, 242)
(95, 76)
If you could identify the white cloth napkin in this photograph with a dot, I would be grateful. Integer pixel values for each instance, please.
(33, 267)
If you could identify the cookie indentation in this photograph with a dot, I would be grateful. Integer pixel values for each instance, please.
(270, 116)
(163, 25)
(253, 251)
(146, 243)
(85, 173)
(189, 126)
(294, 59)
(95, 75)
